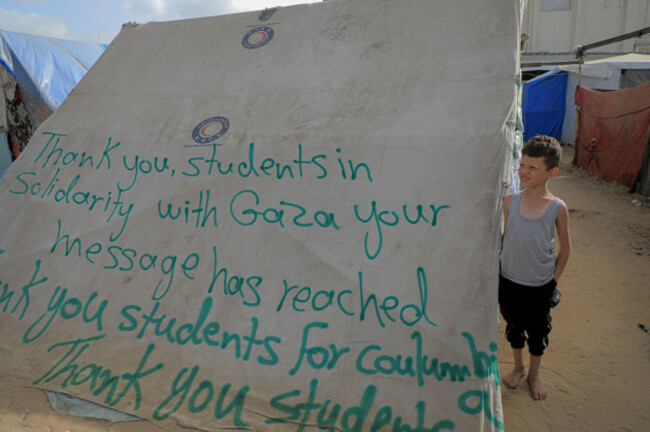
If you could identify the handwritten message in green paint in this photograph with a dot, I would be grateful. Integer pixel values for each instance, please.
(59, 175)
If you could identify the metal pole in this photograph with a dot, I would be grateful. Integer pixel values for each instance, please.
(581, 49)
(576, 128)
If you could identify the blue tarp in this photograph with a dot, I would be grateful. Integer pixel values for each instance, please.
(46, 67)
(543, 105)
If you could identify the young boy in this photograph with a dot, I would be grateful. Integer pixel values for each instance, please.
(530, 268)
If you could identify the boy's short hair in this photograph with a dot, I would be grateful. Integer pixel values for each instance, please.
(546, 147)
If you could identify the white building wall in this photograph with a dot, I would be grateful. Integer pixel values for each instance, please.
(560, 25)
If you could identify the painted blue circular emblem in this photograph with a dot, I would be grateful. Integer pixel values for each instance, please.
(257, 37)
(204, 132)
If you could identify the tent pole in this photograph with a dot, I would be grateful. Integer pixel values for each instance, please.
(575, 131)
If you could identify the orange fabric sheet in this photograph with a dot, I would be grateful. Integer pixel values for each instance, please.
(612, 131)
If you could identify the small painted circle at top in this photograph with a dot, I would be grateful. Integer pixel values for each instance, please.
(210, 129)
(257, 37)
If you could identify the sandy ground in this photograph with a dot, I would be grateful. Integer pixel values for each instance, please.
(597, 368)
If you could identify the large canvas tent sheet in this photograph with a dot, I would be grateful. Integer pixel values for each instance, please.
(293, 225)
(613, 129)
(543, 105)
(48, 68)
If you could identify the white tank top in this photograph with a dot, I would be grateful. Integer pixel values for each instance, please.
(528, 251)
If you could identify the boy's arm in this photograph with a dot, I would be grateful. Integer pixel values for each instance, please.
(564, 238)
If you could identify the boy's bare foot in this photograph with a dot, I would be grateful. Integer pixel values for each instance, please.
(514, 377)
(536, 388)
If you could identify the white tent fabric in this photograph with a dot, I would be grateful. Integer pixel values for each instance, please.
(607, 67)
(284, 223)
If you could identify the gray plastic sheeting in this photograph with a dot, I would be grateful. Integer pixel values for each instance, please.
(64, 403)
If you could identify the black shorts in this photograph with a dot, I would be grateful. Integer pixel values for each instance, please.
(527, 312)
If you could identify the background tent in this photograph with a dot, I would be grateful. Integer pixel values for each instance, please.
(46, 67)
(613, 129)
(543, 105)
(36, 75)
(612, 73)
(20, 115)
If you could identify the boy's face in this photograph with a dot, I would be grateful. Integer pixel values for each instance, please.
(533, 171)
